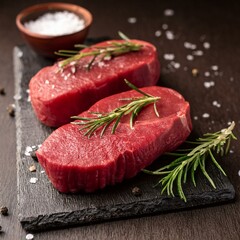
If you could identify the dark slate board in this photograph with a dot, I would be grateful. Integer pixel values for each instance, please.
(41, 207)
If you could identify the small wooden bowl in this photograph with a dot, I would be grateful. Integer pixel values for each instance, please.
(46, 45)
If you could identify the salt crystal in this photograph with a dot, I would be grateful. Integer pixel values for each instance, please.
(206, 115)
(46, 82)
(73, 69)
(56, 24)
(206, 45)
(190, 57)
(53, 86)
(198, 53)
(19, 54)
(195, 117)
(170, 35)
(28, 150)
(214, 67)
(132, 20)
(29, 236)
(168, 12)
(176, 65)
(231, 79)
(158, 33)
(209, 84)
(17, 97)
(239, 173)
(33, 180)
(168, 56)
(207, 74)
(164, 26)
(101, 64)
(42, 171)
(216, 104)
(189, 45)
(231, 151)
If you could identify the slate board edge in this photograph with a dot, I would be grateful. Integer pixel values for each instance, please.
(87, 216)
(117, 212)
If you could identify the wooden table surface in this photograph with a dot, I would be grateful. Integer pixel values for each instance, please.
(216, 22)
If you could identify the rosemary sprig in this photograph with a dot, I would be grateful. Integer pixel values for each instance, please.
(113, 49)
(103, 121)
(189, 160)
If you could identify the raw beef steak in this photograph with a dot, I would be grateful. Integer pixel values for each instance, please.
(58, 95)
(74, 162)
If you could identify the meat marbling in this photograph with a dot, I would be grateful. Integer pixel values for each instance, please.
(58, 95)
(74, 162)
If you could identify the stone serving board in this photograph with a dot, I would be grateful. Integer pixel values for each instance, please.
(41, 207)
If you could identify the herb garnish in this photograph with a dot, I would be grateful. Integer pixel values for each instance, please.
(188, 161)
(104, 120)
(113, 49)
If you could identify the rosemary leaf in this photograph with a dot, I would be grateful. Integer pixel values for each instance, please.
(134, 107)
(192, 159)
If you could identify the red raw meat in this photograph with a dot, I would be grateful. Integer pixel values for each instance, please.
(56, 95)
(74, 162)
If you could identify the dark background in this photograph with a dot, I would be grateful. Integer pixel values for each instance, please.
(218, 23)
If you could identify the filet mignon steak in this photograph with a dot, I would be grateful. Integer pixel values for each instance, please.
(58, 95)
(74, 162)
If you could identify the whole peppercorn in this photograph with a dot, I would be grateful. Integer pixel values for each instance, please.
(4, 211)
(136, 191)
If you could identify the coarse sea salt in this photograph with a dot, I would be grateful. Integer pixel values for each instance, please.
(170, 35)
(56, 24)
(33, 180)
(168, 12)
(29, 236)
(206, 45)
(169, 56)
(206, 115)
(158, 33)
(164, 26)
(209, 84)
(207, 74)
(189, 45)
(132, 20)
(239, 173)
(216, 104)
(190, 57)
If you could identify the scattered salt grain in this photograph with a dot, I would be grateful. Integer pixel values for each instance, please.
(239, 173)
(101, 64)
(176, 65)
(19, 54)
(29, 236)
(195, 117)
(164, 26)
(132, 20)
(56, 24)
(73, 69)
(207, 74)
(42, 171)
(53, 86)
(198, 53)
(231, 151)
(209, 84)
(189, 45)
(190, 57)
(33, 180)
(168, 56)
(206, 45)
(170, 35)
(216, 104)
(206, 115)
(28, 151)
(231, 79)
(158, 33)
(168, 12)
(214, 67)
(17, 97)
(46, 82)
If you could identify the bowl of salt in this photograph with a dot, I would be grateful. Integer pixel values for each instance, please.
(50, 27)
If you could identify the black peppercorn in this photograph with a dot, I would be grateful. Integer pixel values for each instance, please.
(4, 211)
(136, 191)
(11, 110)
(2, 91)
